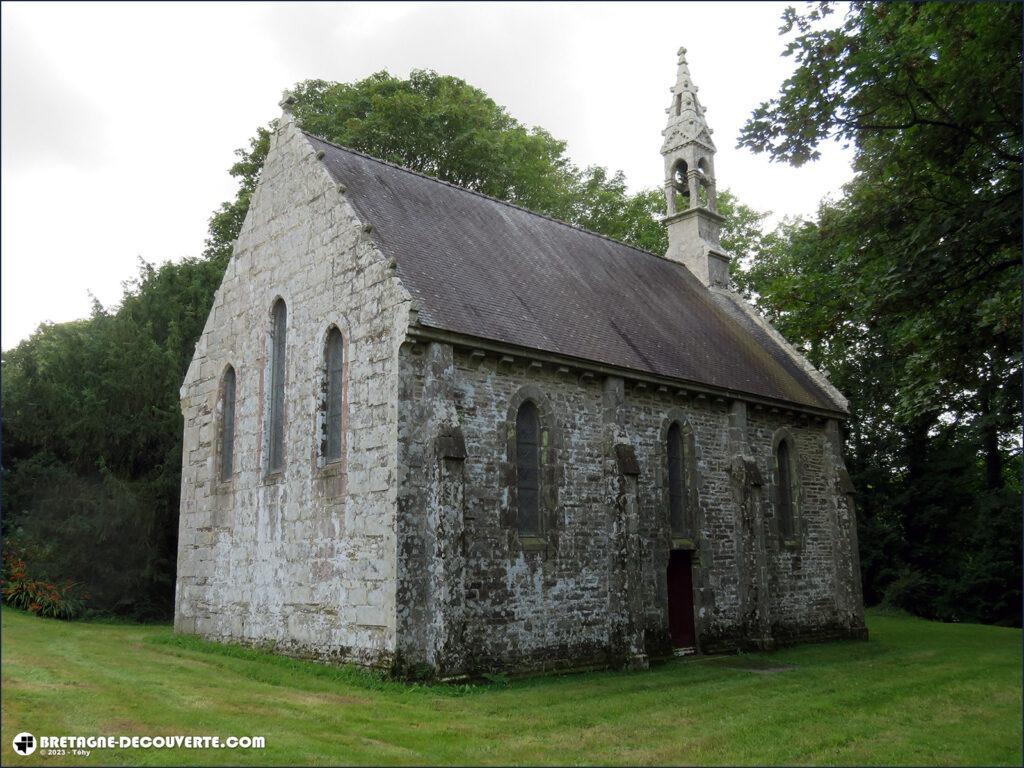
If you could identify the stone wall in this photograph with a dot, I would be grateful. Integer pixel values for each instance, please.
(306, 561)
(592, 589)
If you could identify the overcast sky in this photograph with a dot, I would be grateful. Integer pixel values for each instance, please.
(119, 121)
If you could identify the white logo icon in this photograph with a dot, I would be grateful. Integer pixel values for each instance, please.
(24, 744)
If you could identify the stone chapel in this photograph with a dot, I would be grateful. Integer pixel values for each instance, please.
(430, 431)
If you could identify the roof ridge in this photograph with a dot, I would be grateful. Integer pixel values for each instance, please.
(403, 168)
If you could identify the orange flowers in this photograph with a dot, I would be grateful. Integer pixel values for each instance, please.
(42, 598)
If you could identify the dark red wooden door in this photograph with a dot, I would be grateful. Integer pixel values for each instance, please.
(680, 599)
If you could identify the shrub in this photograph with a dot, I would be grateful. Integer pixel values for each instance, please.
(96, 531)
(914, 592)
(43, 598)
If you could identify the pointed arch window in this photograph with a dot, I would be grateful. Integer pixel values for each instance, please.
(275, 422)
(334, 395)
(528, 469)
(227, 425)
(786, 491)
(677, 490)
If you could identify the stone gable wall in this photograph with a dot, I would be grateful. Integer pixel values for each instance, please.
(305, 562)
(593, 590)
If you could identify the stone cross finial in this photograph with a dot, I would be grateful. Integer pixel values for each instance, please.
(686, 115)
(287, 102)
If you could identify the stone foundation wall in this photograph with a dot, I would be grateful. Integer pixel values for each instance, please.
(304, 562)
(592, 589)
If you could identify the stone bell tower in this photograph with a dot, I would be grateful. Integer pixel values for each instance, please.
(693, 221)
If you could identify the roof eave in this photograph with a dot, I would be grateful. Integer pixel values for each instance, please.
(422, 332)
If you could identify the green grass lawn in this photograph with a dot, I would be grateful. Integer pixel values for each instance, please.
(916, 693)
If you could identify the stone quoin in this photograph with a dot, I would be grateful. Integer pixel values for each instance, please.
(430, 431)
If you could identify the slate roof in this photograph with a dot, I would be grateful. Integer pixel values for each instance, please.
(485, 268)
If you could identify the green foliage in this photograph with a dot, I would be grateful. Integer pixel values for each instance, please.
(743, 236)
(496, 679)
(92, 439)
(42, 598)
(908, 288)
(444, 127)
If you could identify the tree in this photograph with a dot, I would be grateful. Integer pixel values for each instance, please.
(444, 127)
(930, 96)
(92, 439)
(908, 289)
